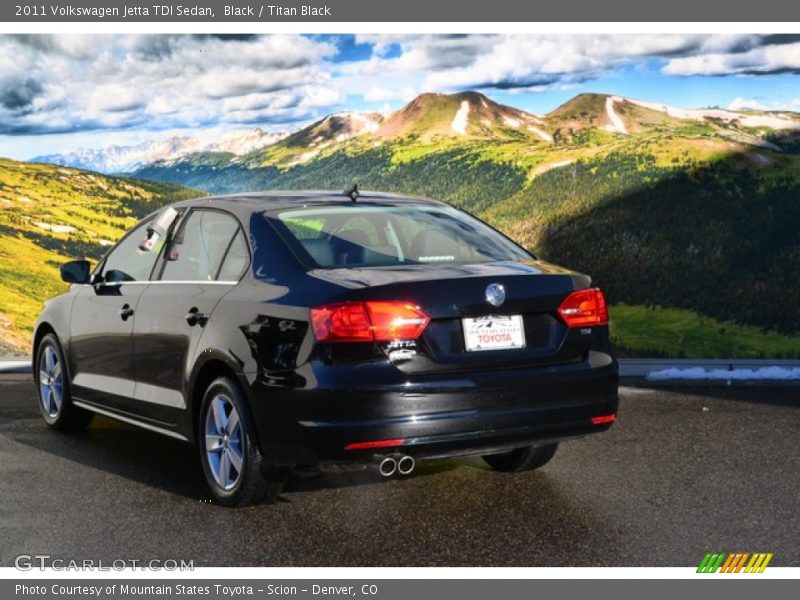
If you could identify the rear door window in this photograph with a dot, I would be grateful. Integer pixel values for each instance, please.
(199, 248)
(236, 260)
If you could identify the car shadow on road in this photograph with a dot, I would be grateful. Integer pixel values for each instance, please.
(155, 460)
(119, 449)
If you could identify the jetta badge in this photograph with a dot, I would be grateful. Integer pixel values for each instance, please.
(495, 294)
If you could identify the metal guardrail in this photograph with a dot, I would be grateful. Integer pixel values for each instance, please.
(654, 370)
(14, 364)
(642, 367)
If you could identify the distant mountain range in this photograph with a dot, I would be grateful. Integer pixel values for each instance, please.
(125, 159)
(464, 117)
(688, 218)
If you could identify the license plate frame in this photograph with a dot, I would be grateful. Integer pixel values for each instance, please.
(493, 333)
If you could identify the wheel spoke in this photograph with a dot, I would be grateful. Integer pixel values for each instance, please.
(235, 459)
(233, 423)
(43, 377)
(56, 374)
(56, 389)
(218, 411)
(49, 359)
(48, 404)
(224, 469)
(213, 442)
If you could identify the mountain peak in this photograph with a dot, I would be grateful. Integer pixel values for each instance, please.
(466, 113)
(582, 105)
(614, 114)
(336, 127)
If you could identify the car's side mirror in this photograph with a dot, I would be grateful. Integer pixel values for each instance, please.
(75, 271)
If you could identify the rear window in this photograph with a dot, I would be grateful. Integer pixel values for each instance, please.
(367, 236)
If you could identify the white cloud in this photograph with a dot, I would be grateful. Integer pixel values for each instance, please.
(740, 103)
(424, 52)
(51, 83)
(777, 58)
(526, 61)
(381, 94)
(553, 61)
(542, 62)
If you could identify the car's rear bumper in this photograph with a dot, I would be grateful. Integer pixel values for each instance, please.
(445, 416)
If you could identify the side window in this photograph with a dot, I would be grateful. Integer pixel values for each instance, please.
(236, 260)
(197, 252)
(126, 262)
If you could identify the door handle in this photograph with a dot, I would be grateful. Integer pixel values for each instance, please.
(125, 312)
(194, 316)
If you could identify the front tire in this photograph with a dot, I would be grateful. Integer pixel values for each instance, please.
(52, 384)
(521, 459)
(235, 470)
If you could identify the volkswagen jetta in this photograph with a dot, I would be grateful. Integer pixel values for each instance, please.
(327, 330)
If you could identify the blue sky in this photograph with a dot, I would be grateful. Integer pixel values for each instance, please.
(58, 93)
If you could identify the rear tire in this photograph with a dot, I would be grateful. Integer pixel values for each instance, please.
(52, 384)
(521, 459)
(235, 470)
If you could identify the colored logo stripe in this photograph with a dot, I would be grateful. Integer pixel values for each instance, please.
(758, 563)
(711, 562)
(734, 562)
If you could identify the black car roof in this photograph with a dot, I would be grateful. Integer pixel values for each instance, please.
(276, 200)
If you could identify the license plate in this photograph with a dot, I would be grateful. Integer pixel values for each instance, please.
(494, 332)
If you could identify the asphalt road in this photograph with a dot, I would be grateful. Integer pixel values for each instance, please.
(681, 472)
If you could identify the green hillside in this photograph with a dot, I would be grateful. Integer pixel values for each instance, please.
(52, 214)
(697, 214)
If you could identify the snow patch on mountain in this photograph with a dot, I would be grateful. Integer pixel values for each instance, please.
(304, 158)
(55, 228)
(539, 170)
(617, 124)
(459, 124)
(365, 123)
(541, 133)
(727, 116)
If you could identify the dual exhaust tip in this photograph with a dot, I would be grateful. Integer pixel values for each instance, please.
(395, 463)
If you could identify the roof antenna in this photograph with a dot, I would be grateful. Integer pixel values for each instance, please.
(353, 192)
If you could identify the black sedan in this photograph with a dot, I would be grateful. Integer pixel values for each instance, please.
(323, 330)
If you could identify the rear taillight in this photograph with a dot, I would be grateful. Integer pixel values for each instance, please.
(604, 419)
(584, 308)
(381, 321)
(346, 322)
(376, 444)
(396, 320)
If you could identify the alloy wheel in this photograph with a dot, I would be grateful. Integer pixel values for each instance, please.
(50, 382)
(224, 444)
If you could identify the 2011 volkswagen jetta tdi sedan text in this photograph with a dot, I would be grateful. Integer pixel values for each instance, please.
(327, 330)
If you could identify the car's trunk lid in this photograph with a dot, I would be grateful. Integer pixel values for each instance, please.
(450, 293)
